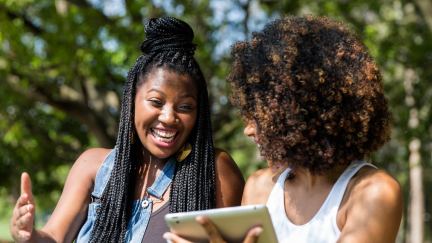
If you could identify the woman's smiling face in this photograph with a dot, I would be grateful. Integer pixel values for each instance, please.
(166, 104)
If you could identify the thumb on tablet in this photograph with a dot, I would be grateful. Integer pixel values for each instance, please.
(253, 234)
(26, 187)
(211, 229)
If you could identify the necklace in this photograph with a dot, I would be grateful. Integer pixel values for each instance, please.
(144, 172)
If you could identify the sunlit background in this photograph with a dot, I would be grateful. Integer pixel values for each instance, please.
(63, 64)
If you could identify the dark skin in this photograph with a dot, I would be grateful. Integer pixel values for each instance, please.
(317, 97)
(166, 101)
(361, 216)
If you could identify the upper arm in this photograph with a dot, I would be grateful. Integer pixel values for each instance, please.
(375, 210)
(258, 187)
(70, 211)
(229, 181)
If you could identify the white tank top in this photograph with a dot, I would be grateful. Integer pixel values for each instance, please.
(322, 228)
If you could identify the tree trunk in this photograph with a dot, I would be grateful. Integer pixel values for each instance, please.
(416, 204)
(425, 7)
(416, 199)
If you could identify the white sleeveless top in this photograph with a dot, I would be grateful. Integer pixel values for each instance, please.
(322, 228)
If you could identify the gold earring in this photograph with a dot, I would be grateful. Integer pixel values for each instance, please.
(184, 152)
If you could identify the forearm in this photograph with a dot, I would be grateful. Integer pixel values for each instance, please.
(41, 236)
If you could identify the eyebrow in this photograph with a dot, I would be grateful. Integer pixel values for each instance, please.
(187, 95)
(156, 90)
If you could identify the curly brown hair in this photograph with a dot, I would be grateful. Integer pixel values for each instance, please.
(314, 92)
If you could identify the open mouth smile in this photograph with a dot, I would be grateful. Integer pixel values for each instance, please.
(164, 136)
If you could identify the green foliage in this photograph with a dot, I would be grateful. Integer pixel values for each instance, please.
(63, 63)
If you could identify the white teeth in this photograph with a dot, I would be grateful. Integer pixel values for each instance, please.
(163, 135)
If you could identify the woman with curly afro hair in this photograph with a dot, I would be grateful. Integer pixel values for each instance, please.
(312, 100)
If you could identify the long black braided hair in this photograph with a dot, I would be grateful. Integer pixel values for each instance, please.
(169, 45)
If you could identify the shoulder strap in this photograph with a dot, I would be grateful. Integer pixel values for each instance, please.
(163, 181)
(104, 174)
(276, 193)
(337, 192)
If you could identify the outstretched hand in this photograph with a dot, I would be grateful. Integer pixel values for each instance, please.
(22, 221)
(213, 233)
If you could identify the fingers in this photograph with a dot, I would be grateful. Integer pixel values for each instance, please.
(173, 238)
(253, 234)
(21, 225)
(22, 207)
(23, 236)
(24, 221)
(210, 228)
(26, 187)
(23, 214)
(25, 209)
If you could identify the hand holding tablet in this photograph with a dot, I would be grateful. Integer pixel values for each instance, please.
(233, 223)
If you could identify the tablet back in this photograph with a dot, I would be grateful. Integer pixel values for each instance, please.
(232, 222)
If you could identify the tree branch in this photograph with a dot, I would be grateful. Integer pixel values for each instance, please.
(36, 30)
(85, 4)
(80, 3)
(76, 109)
(82, 113)
(136, 16)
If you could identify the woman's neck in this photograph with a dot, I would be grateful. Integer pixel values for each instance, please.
(147, 160)
(309, 180)
(148, 168)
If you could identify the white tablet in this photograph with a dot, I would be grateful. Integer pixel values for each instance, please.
(233, 223)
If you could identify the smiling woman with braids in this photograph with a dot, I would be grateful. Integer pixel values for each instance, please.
(164, 159)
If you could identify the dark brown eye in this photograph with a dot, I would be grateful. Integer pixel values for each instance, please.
(156, 102)
(185, 108)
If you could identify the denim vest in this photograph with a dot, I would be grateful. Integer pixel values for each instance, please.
(141, 209)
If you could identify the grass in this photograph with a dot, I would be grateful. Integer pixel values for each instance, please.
(4, 231)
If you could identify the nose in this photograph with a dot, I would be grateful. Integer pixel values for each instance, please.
(250, 130)
(168, 116)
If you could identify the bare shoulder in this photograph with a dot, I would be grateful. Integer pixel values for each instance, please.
(229, 180)
(373, 207)
(225, 165)
(261, 176)
(93, 155)
(258, 186)
(70, 211)
(90, 160)
(378, 185)
(83, 172)
(376, 188)
(223, 157)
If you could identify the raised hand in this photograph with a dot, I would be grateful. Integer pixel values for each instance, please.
(22, 221)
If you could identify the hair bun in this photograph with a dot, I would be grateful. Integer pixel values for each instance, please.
(168, 34)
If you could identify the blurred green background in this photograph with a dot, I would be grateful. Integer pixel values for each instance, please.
(63, 64)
